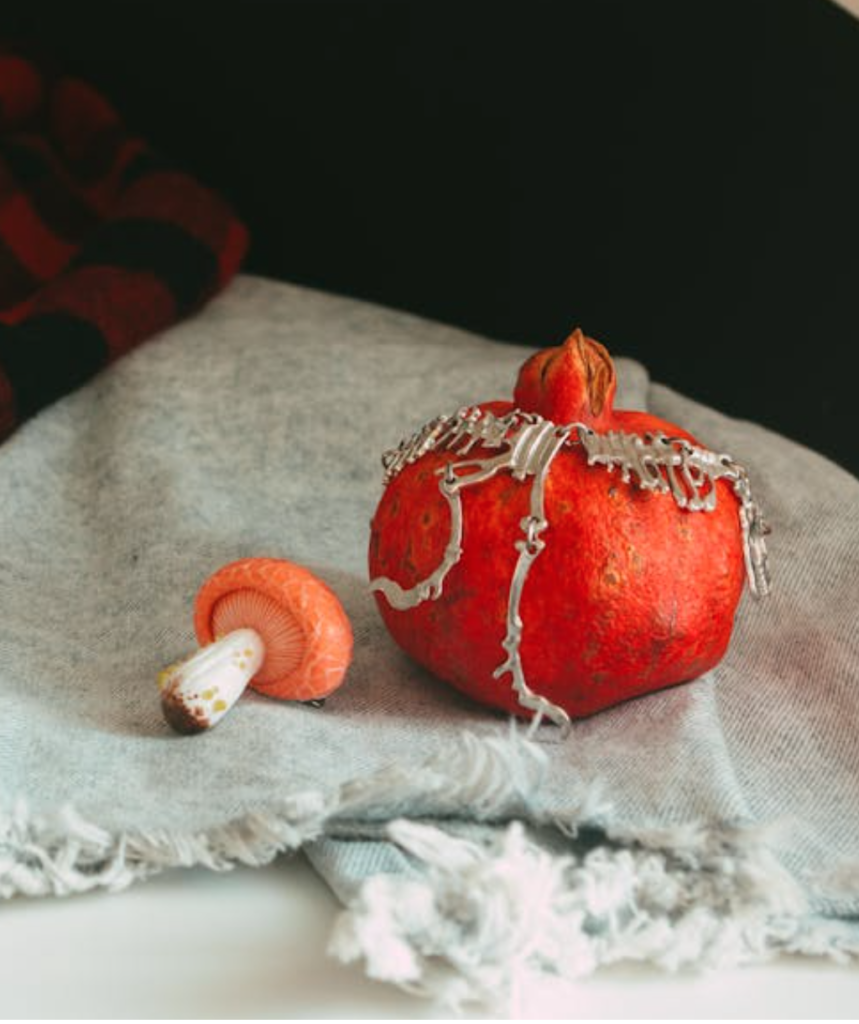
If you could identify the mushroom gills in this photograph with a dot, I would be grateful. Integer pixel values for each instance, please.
(280, 629)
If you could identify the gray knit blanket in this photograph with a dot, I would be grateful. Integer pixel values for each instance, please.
(711, 824)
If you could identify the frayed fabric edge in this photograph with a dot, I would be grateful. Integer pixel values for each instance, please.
(485, 923)
(478, 921)
(61, 853)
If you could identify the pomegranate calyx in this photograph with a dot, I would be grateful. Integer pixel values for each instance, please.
(573, 382)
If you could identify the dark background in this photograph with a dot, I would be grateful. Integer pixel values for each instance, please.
(681, 179)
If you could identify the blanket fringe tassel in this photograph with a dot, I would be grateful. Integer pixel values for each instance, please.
(479, 919)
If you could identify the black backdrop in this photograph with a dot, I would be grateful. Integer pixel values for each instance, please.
(679, 178)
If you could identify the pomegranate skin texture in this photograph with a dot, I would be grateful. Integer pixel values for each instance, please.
(627, 592)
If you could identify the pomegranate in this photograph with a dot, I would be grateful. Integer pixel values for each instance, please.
(552, 555)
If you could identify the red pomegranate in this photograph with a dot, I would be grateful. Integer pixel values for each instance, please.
(553, 553)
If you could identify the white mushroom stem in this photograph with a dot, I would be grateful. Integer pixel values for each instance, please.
(198, 692)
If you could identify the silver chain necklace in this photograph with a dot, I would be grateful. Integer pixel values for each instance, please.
(526, 444)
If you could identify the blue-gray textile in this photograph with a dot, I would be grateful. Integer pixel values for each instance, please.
(714, 822)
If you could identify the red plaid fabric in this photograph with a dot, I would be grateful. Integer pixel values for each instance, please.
(102, 242)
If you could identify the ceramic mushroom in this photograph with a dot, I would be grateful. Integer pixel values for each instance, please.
(264, 623)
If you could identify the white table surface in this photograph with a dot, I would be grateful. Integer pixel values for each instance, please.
(251, 944)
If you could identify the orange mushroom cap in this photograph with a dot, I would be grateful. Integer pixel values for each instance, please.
(306, 633)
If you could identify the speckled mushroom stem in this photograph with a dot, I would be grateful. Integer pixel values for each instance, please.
(198, 692)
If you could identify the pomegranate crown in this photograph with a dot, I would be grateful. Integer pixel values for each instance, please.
(571, 382)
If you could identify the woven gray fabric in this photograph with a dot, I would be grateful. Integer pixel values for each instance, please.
(256, 429)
